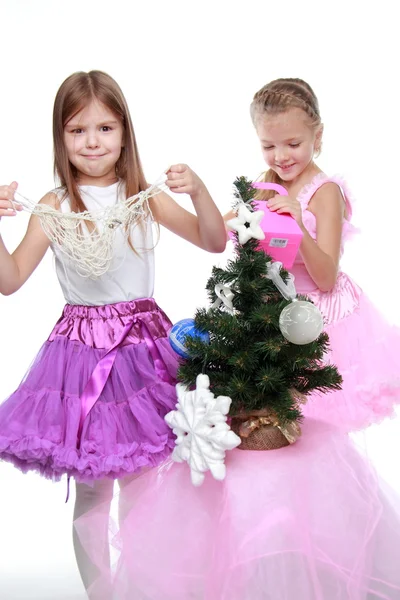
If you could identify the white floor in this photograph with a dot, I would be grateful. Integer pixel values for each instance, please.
(36, 553)
(55, 588)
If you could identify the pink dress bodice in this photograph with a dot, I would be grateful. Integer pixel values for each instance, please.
(343, 299)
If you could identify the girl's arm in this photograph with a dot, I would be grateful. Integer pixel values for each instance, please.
(321, 256)
(17, 267)
(230, 215)
(207, 229)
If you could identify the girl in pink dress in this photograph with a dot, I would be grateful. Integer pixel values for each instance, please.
(309, 521)
(364, 347)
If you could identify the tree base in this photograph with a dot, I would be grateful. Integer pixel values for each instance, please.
(258, 436)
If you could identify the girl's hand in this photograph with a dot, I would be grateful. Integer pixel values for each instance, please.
(8, 208)
(285, 204)
(182, 180)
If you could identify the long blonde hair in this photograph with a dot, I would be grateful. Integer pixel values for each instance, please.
(76, 92)
(277, 97)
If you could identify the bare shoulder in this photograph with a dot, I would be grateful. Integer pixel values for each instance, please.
(51, 199)
(328, 198)
(35, 229)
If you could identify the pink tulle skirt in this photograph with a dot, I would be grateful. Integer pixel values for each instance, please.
(125, 430)
(365, 349)
(306, 522)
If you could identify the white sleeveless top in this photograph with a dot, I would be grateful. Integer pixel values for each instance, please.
(131, 274)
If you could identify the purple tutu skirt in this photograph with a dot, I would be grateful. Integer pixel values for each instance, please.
(93, 403)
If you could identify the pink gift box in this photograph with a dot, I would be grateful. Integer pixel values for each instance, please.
(282, 234)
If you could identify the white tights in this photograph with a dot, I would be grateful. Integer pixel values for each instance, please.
(89, 497)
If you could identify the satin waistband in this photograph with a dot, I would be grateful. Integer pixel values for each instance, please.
(336, 304)
(100, 326)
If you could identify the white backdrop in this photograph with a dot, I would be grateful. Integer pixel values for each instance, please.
(189, 71)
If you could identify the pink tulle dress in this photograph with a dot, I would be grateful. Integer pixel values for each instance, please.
(364, 347)
(308, 522)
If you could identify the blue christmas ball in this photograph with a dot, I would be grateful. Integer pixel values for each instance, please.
(180, 331)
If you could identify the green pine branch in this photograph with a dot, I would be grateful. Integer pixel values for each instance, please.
(248, 359)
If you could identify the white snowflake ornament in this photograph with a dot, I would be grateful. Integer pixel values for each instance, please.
(202, 433)
(247, 224)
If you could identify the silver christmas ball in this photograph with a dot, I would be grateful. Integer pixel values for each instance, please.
(301, 322)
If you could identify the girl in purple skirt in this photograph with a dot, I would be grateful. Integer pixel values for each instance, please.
(93, 404)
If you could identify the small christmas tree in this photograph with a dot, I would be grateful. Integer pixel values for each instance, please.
(248, 358)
